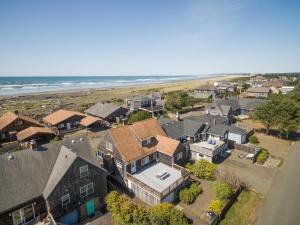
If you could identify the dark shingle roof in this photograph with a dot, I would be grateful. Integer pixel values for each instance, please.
(231, 101)
(104, 110)
(250, 103)
(209, 119)
(236, 130)
(25, 177)
(218, 129)
(177, 129)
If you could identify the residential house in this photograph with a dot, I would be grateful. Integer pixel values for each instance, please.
(205, 91)
(220, 132)
(60, 179)
(152, 104)
(249, 104)
(38, 134)
(11, 123)
(285, 89)
(91, 122)
(258, 92)
(222, 86)
(210, 150)
(64, 120)
(108, 112)
(142, 158)
(185, 130)
(209, 119)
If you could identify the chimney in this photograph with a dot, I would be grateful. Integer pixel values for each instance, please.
(33, 145)
(215, 121)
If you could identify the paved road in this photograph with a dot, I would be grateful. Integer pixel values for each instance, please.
(281, 206)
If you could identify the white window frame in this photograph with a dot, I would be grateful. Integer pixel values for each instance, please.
(83, 191)
(109, 146)
(90, 188)
(119, 164)
(21, 214)
(145, 160)
(179, 156)
(65, 200)
(100, 154)
(85, 171)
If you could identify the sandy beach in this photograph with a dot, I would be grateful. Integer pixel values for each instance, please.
(40, 104)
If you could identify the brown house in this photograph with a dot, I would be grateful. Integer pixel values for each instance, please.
(135, 154)
(64, 120)
(11, 123)
(61, 179)
(35, 133)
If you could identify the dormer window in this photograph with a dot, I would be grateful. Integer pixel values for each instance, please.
(109, 146)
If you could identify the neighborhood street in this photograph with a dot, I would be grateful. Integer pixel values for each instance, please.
(281, 206)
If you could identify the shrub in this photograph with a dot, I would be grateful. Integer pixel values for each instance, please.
(138, 116)
(203, 169)
(223, 190)
(253, 140)
(165, 213)
(262, 156)
(216, 206)
(189, 194)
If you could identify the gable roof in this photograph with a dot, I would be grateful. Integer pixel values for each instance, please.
(89, 120)
(62, 164)
(9, 117)
(26, 176)
(251, 103)
(127, 139)
(230, 101)
(167, 145)
(147, 128)
(218, 129)
(31, 131)
(209, 119)
(103, 110)
(61, 115)
(259, 89)
(176, 129)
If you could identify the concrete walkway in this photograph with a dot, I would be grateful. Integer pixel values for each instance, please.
(281, 206)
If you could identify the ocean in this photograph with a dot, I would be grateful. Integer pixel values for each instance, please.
(10, 86)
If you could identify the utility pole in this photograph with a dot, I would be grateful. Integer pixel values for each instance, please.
(152, 104)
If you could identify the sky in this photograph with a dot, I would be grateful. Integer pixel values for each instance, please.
(148, 37)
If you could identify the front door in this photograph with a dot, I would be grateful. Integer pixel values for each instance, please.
(90, 208)
(68, 126)
(133, 167)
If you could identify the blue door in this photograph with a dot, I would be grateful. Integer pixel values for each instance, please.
(90, 208)
(70, 219)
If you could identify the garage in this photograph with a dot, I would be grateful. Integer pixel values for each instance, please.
(70, 219)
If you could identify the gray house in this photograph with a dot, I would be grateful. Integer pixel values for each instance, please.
(108, 112)
(60, 179)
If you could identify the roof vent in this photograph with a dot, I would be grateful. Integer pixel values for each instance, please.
(73, 142)
(162, 175)
(81, 139)
(11, 157)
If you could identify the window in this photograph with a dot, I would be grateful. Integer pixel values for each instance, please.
(90, 188)
(65, 200)
(23, 215)
(62, 125)
(100, 154)
(179, 155)
(145, 160)
(109, 146)
(119, 164)
(19, 122)
(83, 191)
(149, 141)
(84, 171)
(154, 156)
(86, 190)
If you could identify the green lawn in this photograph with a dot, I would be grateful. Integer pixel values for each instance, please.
(244, 210)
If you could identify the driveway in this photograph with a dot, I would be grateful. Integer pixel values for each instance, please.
(258, 177)
(281, 206)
